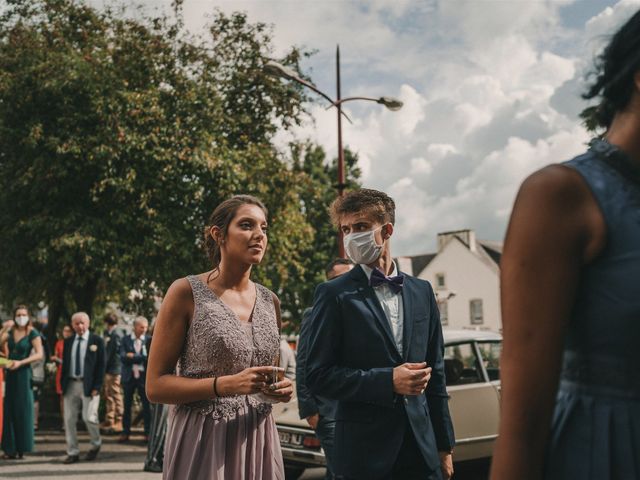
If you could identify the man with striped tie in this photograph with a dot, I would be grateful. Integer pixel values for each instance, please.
(83, 367)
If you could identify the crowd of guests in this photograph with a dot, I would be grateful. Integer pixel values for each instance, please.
(89, 369)
(370, 364)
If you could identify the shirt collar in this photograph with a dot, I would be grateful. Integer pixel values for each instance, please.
(367, 271)
(133, 337)
(84, 336)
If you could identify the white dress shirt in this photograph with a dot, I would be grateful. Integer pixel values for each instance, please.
(139, 349)
(83, 353)
(391, 305)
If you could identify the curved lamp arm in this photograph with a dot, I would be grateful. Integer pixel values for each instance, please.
(392, 104)
(278, 70)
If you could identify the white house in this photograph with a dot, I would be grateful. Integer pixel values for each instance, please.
(465, 274)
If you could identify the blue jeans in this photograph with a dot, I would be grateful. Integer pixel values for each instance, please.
(325, 431)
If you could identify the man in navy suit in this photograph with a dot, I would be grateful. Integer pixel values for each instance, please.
(83, 368)
(134, 355)
(376, 346)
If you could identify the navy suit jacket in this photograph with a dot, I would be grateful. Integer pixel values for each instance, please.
(351, 358)
(94, 364)
(308, 403)
(126, 346)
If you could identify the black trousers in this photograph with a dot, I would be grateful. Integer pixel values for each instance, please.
(129, 388)
(325, 432)
(410, 464)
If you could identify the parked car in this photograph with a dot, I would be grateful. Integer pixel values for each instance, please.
(473, 382)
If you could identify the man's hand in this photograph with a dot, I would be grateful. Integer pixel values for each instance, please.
(94, 393)
(446, 464)
(313, 420)
(411, 378)
(130, 355)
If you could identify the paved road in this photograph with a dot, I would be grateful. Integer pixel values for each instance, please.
(115, 461)
(118, 461)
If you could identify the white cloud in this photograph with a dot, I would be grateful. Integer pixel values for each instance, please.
(491, 92)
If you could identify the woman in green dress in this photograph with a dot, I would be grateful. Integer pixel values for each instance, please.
(22, 339)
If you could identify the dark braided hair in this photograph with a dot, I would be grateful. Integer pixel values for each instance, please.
(614, 72)
(221, 218)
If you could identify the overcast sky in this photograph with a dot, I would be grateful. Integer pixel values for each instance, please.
(491, 91)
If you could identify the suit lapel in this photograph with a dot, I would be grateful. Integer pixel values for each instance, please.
(407, 316)
(371, 300)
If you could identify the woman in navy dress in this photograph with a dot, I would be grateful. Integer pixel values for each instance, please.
(571, 298)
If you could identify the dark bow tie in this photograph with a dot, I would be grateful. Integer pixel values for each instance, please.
(378, 278)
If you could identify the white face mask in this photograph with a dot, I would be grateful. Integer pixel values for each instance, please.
(22, 320)
(361, 247)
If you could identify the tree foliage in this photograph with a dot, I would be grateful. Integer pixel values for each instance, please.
(590, 120)
(120, 135)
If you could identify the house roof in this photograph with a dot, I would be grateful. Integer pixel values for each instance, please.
(494, 250)
(420, 262)
(491, 253)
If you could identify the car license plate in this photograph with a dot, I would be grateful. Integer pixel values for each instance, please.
(291, 439)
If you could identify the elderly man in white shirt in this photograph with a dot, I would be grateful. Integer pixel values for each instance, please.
(83, 368)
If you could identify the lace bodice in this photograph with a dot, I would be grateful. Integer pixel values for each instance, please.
(218, 344)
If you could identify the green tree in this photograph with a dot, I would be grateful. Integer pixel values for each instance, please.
(119, 136)
(590, 120)
(317, 190)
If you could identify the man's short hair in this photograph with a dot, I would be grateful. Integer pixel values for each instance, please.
(111, 319)
(140, 319)
(378, 204)
(83, 315)
(334, 262)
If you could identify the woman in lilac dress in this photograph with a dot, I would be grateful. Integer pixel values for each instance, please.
(222, 331)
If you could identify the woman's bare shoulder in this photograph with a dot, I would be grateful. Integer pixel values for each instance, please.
(557, 200)
(180, 286)
(179, 293)
(556, 180)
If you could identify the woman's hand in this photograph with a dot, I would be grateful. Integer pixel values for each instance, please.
(248, 381)
(15, 364)
(281, 391)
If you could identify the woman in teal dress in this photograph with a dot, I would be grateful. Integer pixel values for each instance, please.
(22, 339)
(570, 274)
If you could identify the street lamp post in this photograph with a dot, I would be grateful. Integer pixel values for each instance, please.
(393, 104)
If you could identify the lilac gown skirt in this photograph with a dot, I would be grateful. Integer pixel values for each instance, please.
(244, 447)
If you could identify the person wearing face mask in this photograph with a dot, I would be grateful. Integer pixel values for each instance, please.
(376, 347)
(25, 347)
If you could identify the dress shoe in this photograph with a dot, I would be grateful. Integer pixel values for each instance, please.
(71, 459)
(153, 466)
(123, 438)
(92, 454)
